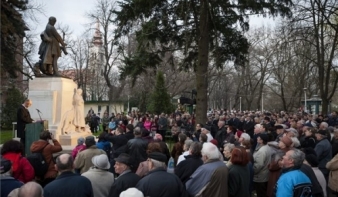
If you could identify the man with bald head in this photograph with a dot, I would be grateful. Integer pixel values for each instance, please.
(68, 183)
(31, 189)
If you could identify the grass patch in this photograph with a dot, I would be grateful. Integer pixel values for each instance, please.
(5, 135)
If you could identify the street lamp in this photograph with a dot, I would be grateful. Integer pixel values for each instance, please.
(240, 103)
(262, 102)
(305, 105)
(128, 105)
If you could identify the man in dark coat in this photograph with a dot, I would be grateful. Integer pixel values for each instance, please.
(23, 118)
(221, 134)
(127, 179)
(137, 148)
(192, 161)
(68, 183)
(162, 125)
(158, 182)
(248, 126)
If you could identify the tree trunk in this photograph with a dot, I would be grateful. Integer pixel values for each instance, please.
(202, 65)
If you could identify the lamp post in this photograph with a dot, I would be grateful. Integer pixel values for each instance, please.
(262, 102)
(305, 104)
(128, 104)
(240, 103)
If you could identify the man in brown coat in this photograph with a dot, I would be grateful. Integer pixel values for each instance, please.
(47, 151)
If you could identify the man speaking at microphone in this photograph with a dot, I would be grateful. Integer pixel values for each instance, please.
(23, 118)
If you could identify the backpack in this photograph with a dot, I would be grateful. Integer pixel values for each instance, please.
(302, 190)
(39, 163)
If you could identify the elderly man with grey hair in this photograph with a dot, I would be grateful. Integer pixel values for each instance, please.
(292, 181)
(158, 182)
(186, 147)
(211, 178)
(31, 189)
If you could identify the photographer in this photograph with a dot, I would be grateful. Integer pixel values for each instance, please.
(43, 145)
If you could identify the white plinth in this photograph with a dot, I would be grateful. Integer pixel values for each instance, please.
(53, 96)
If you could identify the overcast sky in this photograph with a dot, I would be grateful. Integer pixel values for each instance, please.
(73, 14)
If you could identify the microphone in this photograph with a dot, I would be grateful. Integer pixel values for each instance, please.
(38, 110)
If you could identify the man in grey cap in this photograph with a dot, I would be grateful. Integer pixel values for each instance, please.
(83, 160)
(126, 179)
(99, 176)
(166, 184)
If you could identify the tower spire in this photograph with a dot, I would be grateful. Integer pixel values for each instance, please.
(97, 38)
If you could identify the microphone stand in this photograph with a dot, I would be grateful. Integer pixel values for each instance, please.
(39, 114)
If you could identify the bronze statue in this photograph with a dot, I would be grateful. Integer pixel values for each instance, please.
(50, 51)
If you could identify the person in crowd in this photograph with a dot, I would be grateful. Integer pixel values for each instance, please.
(237, 136)
(147, 135)
(323, 151)
(23, 117)
(332, 165)
(279, 131)
(221, 133)
(309, 140)
(178, 147)
(163, 145)
(333, 119)
(230, 135)
(244, 138)
(68, 183)
(203, 138)
(284, 145)
(119, 141)
(105, 122)
(197, 133)
(162, 125)
(99, 176)
(334, 143)
(30, 189)
(47, 149)
(239, 173)
(132, 192)
(104, 144)
(166, 184)
(137, 148)
(248, 126)
(126, 179)
(210, 179)
(83, 160)
(129, 131)
(186, 148)
(312, 161)
(192, 161)
(22, 170)
(79, 147)
(292, 132)
(293, 182)
(147, 124)
(262, 158)
(112, 125)
(143, 168)
(94, 123)
(258, 130)
(7, 181)
(228, 147)
(207, 133)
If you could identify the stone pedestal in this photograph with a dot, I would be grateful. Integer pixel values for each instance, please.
(53, 96)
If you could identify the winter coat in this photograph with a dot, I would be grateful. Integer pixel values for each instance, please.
(8, 184)
(239, 184)
(21, 168)
(69, 184)
(324, 154)
(262, 158)
(334, 144)
(48, 152)
(309, 142)
(101, 181)
(333, 176)
(217, 187)
(137, 149)
(159, 183)
(78, 149)
(83, 161)
(289, 179)
(187, 167)
(123, 182)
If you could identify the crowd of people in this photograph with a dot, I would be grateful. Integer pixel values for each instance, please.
(235, 154)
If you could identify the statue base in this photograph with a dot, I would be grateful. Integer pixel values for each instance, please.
(71, 139)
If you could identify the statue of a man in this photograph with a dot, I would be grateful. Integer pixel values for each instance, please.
(50, 49)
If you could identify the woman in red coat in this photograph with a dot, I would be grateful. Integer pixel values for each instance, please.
(22, 170)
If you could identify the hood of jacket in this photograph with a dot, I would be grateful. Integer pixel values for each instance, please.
(38, 145)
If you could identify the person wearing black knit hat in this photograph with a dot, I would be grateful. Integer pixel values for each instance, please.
(7, 182)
